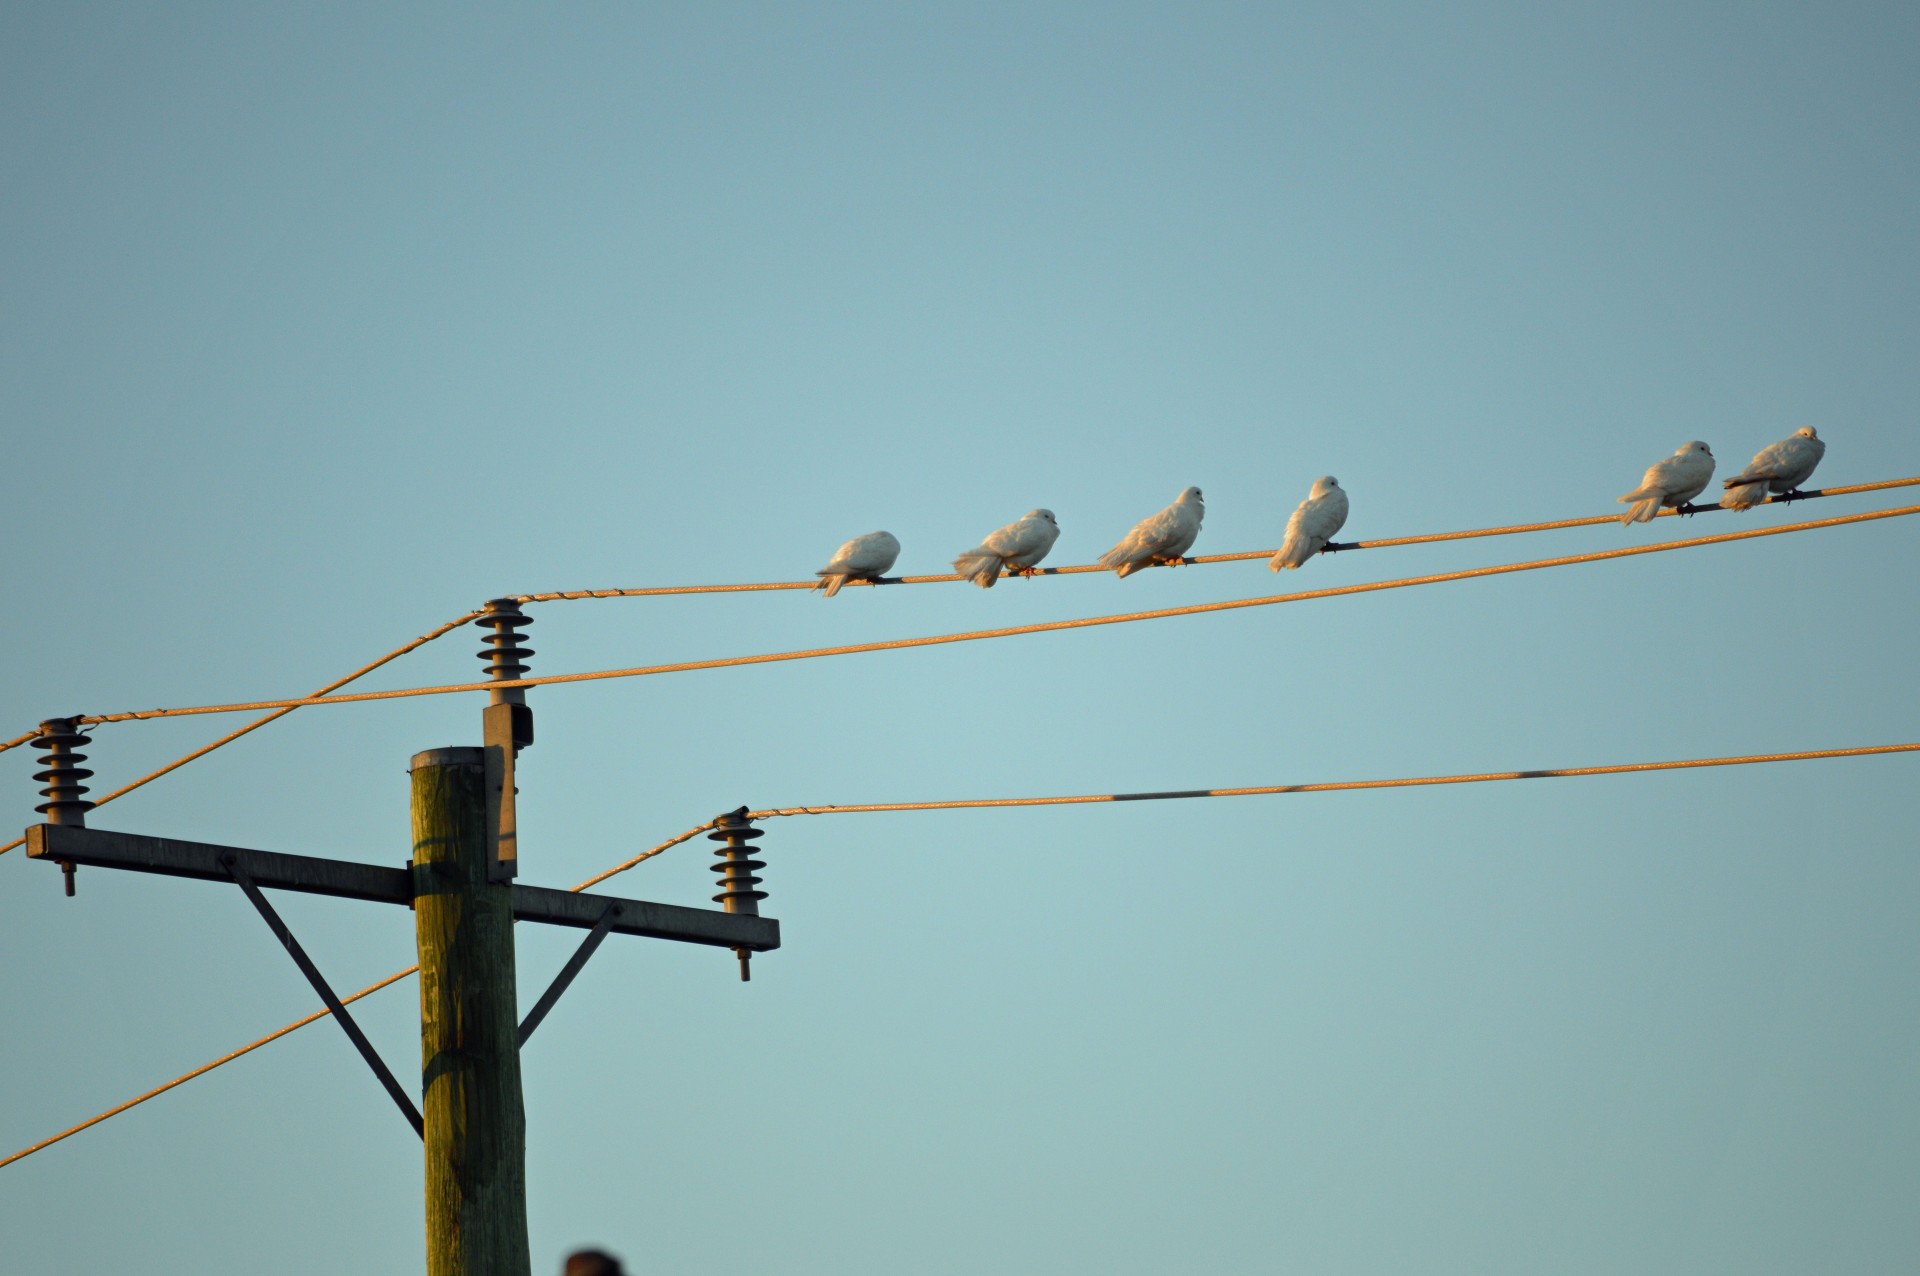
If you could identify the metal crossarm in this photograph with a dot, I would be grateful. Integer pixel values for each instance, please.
(277, 871)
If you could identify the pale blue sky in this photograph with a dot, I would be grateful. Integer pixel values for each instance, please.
(319, 325)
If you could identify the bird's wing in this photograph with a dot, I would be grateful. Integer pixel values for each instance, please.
(1324, 515)
(1034, 542)
(1153, 534)
(1014, 538)
(1665, 477)
(872, 553)
(1769, 462)
(880, 553)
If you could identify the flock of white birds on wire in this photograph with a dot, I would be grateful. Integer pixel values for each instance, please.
(1163, 539)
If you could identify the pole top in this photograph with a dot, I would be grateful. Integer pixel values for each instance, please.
(455, 755)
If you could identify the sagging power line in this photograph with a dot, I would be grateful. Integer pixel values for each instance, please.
(1010, 631)
(285, 707)
(255, 725)
(1394, 542)
(1630, 768)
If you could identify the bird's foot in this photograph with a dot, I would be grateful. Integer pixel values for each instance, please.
(1786, 498)
(1687, 509)
(1334, 547)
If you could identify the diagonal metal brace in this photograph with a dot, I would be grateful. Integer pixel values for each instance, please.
(238, 872)
(567, 972)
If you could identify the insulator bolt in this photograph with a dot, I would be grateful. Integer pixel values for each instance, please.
(739, 891)
(62, 774)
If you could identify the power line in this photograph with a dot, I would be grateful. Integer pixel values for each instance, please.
(568, 595)
(205, 1068)
(255, 725)
(18, 740)
(289, 706)
(1629, 768)
(657, 591)
(901, 644)
(302, 1022)
(981, 803)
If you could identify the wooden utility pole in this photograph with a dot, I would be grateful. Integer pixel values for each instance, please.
(476, 1134)
(461, 888)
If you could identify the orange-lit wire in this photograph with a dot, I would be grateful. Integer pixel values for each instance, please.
(658, 591)
(255, 725)
(901, 644)
(979, 803)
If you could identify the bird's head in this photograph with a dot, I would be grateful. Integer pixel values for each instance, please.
(1695, 447)
(1325, 483)
(1043, 514)
(1192, 494)
(1805, 432)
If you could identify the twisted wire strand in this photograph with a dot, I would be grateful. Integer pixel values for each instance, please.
(901, 644)
(657, 591)
(978, 803)
(18, 740)
(256, 724)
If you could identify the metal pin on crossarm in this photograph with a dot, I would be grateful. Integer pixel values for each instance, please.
(737, 868)
(62, 773)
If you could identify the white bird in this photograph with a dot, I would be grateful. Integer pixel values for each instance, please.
(1018, 547)
(1161, 539)
(1313, 524)
(862, 558)
(1782, 467)
(1674, 481)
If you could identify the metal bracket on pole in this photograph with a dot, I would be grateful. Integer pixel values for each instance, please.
(239, 874)
(508, 728)
(502, 723)
(573, 967)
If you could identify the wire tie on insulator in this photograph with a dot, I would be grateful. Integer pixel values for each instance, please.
(739, 891)
(62, 774)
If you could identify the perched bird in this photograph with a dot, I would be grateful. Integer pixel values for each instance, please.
(1781, 467)
(1163, 538)
(862, 558)
(1018, 547)
(1674, 481)
(1313, 524)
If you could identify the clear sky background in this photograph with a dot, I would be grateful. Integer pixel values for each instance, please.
(321, 324)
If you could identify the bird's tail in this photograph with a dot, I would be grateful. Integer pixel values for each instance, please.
(1743, 496)
(831, 582)
(1293, 551)
(981, 569)
(1643, 507)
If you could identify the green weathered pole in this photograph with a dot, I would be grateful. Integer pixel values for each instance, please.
(470, 1057)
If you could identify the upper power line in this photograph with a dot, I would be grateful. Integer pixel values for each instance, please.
(1392, 542)
(280, 709)
(898, 644)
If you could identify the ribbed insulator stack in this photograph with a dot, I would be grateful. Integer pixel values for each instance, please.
(505, 656)
(61, 773)
(739, 891)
